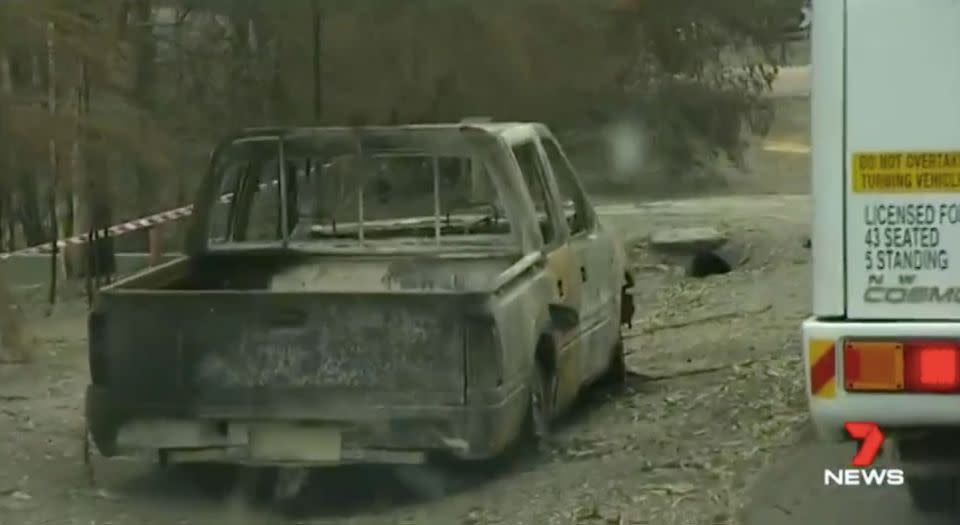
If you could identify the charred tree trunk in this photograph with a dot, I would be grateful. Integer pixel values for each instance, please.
(12, 345)
(54, 168)
(93, 212)
(280, 106)
(100, 260)
(73, 198)
(5, 211)
(28, 207)
(143, 89)
(181, 89)
(7, 215)
(317, 17)
(238, 92)
(13, 348)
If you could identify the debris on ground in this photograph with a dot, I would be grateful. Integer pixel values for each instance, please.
(715, 390)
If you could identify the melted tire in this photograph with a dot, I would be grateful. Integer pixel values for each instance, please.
(536, 432)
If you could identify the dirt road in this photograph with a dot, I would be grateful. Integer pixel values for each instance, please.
(716, 394)
(791, 492)
(717, 391)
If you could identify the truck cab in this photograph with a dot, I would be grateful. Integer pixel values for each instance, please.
(883, 342)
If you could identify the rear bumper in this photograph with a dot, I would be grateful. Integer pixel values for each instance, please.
(366, 433)
(831, 406)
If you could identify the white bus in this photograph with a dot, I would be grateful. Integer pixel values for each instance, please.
(883, 342)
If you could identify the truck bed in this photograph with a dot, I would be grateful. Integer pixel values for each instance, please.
(157, 348)
(292, 272)
(386, 331)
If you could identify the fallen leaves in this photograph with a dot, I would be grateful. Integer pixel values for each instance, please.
(14, 496)
(651, 327)
(721, 374)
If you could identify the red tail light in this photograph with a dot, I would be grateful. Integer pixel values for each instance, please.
(932, 366)
(912, 366)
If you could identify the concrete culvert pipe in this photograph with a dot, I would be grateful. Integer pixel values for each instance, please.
(717, 261)
(704, 264)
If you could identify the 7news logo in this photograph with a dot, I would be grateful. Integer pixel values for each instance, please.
(871, 442)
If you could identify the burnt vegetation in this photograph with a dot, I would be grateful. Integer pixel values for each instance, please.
(108, 108)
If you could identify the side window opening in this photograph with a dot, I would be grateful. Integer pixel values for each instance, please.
(572, 197)
(248, 205)
(534, 177)
(262, 212)
(225, 209)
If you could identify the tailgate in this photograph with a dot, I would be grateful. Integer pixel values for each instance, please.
(192, 348)
(903, 154)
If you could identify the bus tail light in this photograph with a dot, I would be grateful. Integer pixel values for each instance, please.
(933, 367)
(912, 366)
(873, 366)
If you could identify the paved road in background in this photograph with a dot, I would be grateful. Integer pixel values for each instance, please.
(791, 492)
(792, 81)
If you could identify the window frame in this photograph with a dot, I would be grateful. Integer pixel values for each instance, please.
(580, 199)
(240, 206)
(559, 227)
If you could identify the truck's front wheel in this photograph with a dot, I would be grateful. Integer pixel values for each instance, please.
(541, 403)
(933, 494)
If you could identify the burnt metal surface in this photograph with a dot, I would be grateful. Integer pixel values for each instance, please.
(425, 274)
(293, 272)
(157, 345)
(440, 343)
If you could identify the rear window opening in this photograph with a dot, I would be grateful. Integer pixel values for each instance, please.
(407, 196)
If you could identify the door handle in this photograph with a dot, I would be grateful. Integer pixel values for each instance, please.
(560, 287)
(583, 273)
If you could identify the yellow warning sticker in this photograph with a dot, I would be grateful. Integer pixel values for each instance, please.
(906, 172)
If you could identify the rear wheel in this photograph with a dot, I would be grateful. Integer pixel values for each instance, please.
(937, 494)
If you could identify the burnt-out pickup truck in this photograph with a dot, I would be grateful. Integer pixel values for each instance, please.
(374, 295)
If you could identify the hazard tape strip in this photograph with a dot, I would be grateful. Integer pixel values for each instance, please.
(823, 368)
(125, 227)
